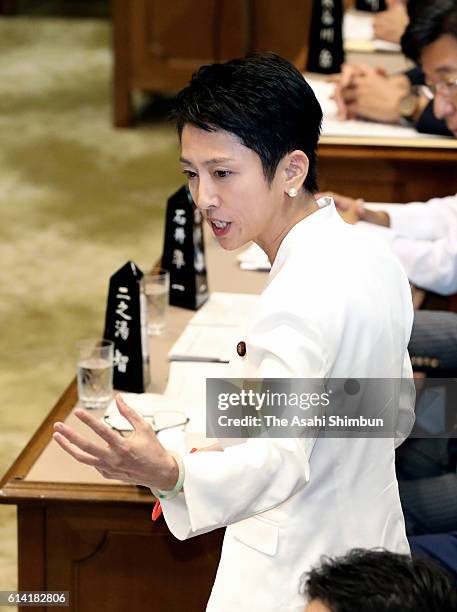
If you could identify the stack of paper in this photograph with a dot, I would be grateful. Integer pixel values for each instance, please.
(205, 343)
(358, 34)
(371, 129)
(253, 258)
(213, 332)
(187, 384)
(226, 309)
(170, 411)
(332, 126)
(180, 413)
(323, 90)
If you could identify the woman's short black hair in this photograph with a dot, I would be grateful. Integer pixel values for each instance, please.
(263, 100)
(381, 581)
(429, 19)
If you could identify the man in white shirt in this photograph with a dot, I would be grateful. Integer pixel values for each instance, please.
(424, 235)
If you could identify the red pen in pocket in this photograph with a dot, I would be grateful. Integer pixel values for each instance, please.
(157, 510)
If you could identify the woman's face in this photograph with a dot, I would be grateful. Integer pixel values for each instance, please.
(228, 185)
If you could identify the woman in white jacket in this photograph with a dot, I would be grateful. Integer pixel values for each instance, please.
(336, 305)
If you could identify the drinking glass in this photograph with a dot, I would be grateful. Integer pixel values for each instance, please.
(95, 372)
(156, 287)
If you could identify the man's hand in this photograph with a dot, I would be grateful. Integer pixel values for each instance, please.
(418, 296)
(389, 25)
(350, 209)
(376, 97)
(353, 210)
(344, 82)
(368, 93)
(138, 459)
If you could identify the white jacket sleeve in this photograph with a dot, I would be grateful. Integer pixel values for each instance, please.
(406, 412)
(221, 488)
(424, 220)
(424, 238)
(431, 265)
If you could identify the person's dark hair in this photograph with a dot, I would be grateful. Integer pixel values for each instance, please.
(263, 100)
(381, 581)
(429, 20)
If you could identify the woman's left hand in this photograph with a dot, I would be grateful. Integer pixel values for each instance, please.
(138, 459)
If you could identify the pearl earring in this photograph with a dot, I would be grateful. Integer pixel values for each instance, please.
(292, 192)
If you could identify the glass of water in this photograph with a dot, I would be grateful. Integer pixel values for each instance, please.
(95, 372)
(156, 286)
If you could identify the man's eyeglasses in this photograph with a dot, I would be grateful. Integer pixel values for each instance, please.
(446, 87)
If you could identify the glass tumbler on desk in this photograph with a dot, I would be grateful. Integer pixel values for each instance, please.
(95, 372)
(156, 286)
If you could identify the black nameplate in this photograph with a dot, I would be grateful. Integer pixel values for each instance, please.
(326, 53)
(184, 252)
(125, 325)
(373, 6)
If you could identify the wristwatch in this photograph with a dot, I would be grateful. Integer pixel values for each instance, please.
(408, 106)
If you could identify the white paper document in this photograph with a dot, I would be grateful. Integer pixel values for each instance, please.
(187, 385)
(226, 309)
(253, 258)
(187, 382)
(332, 126)
(180, 413)
(371, 129)
(358, 28)
(161, 410)
(205, 343)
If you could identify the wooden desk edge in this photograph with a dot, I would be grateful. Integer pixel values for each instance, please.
(25, 492)
(14, 489)
(392, 147)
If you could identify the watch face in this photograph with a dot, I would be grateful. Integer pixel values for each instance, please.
(408, 105)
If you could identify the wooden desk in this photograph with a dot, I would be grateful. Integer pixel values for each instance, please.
(80, 533)
(158, 45)
(8, 7)
(154, 52)
(388, 170)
